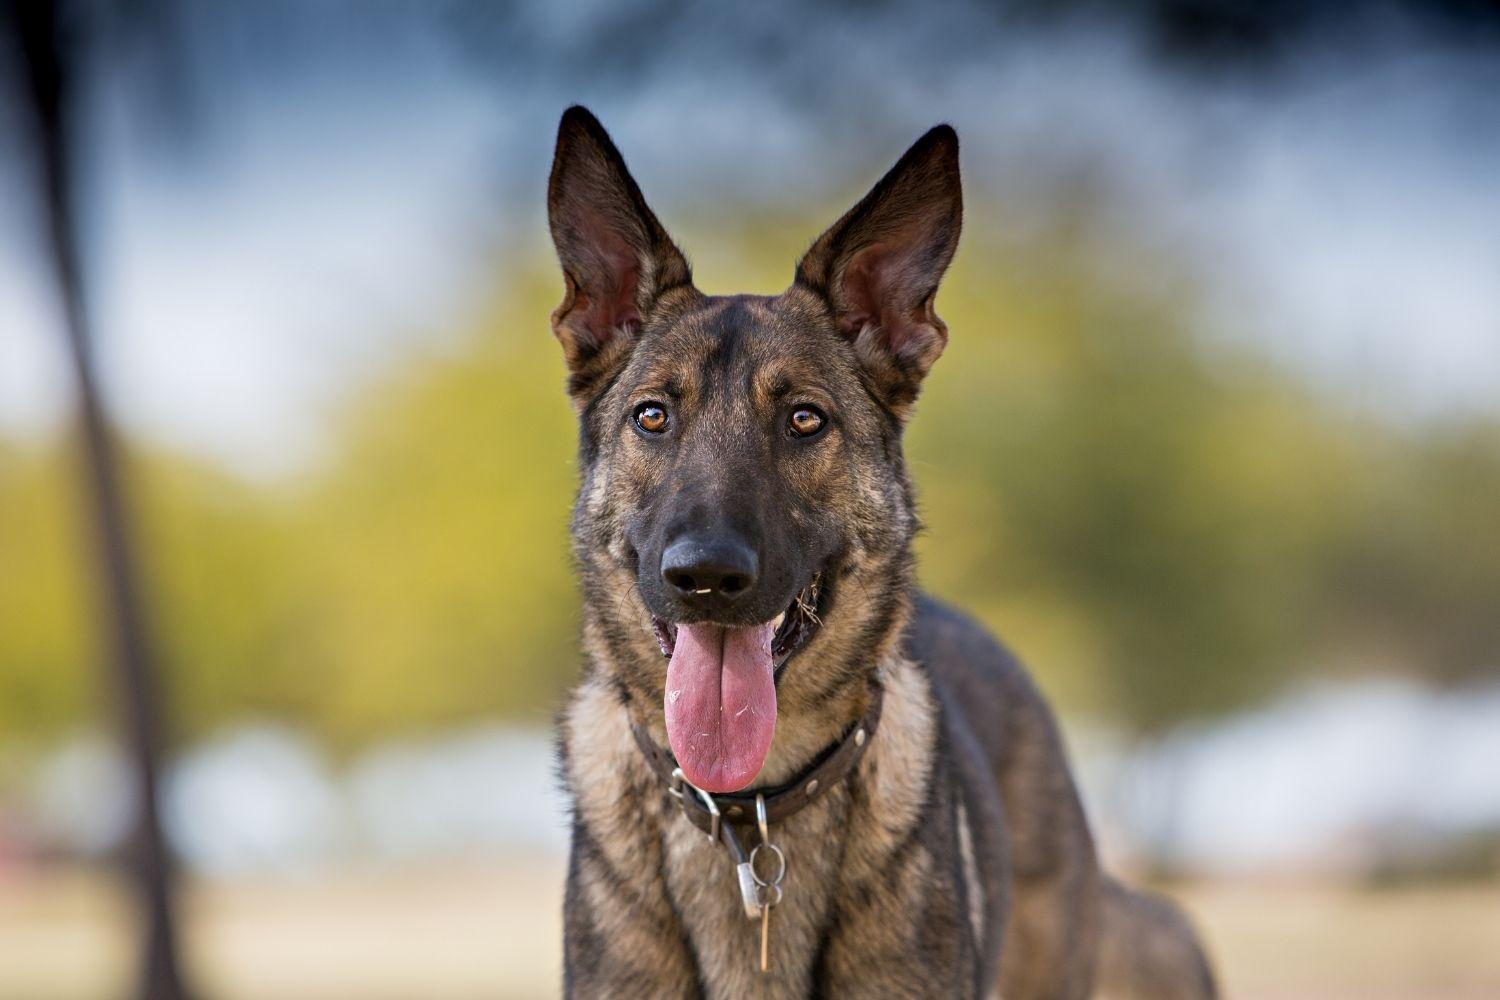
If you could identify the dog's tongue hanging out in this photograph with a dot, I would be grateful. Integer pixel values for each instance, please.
(721, 703)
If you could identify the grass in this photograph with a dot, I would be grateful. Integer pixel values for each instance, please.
(492, 929)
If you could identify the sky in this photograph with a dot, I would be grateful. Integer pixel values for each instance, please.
(339, 194)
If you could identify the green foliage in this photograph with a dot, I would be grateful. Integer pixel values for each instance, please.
(444, 583)
(1140, 516)
(1161, 525)
(47, 655)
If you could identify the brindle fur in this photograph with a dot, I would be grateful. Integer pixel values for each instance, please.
(956, 861)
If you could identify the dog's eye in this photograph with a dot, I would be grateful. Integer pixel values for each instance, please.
(806, 421)
(651, 418)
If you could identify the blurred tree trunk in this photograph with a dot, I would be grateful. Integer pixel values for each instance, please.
(50, 48)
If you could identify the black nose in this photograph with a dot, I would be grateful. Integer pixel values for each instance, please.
(709, 570)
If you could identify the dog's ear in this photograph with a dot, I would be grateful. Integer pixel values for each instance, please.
(616, 258)
(879, 266)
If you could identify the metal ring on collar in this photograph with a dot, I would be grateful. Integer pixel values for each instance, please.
(780, 864)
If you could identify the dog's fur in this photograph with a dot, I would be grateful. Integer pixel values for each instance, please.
(956, 860)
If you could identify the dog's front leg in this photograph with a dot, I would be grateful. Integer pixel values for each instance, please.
(906, 927)
(621, 936)
(913, 943)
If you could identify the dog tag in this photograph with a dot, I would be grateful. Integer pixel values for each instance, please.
(749, 889)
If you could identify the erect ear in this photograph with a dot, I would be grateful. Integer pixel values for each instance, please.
(879, 266)
(616, 258)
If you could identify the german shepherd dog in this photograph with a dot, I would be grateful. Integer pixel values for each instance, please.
(791, 774)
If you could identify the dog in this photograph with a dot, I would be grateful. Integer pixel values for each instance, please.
(791, 774)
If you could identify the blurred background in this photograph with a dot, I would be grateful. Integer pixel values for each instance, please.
(1215, 446)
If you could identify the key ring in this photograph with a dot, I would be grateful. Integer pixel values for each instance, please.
(780, 865)
(765, 843)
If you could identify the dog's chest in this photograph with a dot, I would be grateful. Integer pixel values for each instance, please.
(649, 879)
(700, 879)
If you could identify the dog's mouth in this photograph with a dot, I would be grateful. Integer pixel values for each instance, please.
(720, 698)
(792, 629)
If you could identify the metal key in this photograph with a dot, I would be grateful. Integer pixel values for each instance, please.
(769, 895)
(768, 891)
(765, 938)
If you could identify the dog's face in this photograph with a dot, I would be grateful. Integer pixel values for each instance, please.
(744, 517)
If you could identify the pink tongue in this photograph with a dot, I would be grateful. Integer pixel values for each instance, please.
(721, 704)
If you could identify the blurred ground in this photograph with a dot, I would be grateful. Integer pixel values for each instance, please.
(491, 930)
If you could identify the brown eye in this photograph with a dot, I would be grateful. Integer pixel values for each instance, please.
(807, 421)
(651, 418)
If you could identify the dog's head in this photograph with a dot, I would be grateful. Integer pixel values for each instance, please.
(744, 519)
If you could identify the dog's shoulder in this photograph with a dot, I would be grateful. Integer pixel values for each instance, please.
(976, 676)
(961, 653)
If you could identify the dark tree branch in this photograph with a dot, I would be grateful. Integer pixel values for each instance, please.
(50, 52)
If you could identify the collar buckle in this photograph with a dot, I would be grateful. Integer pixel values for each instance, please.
(674, 787)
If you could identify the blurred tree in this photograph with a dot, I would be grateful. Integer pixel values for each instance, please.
(445, 579)
(1163, 526)
(1139, 511)
(54, 44)
(48, 674)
